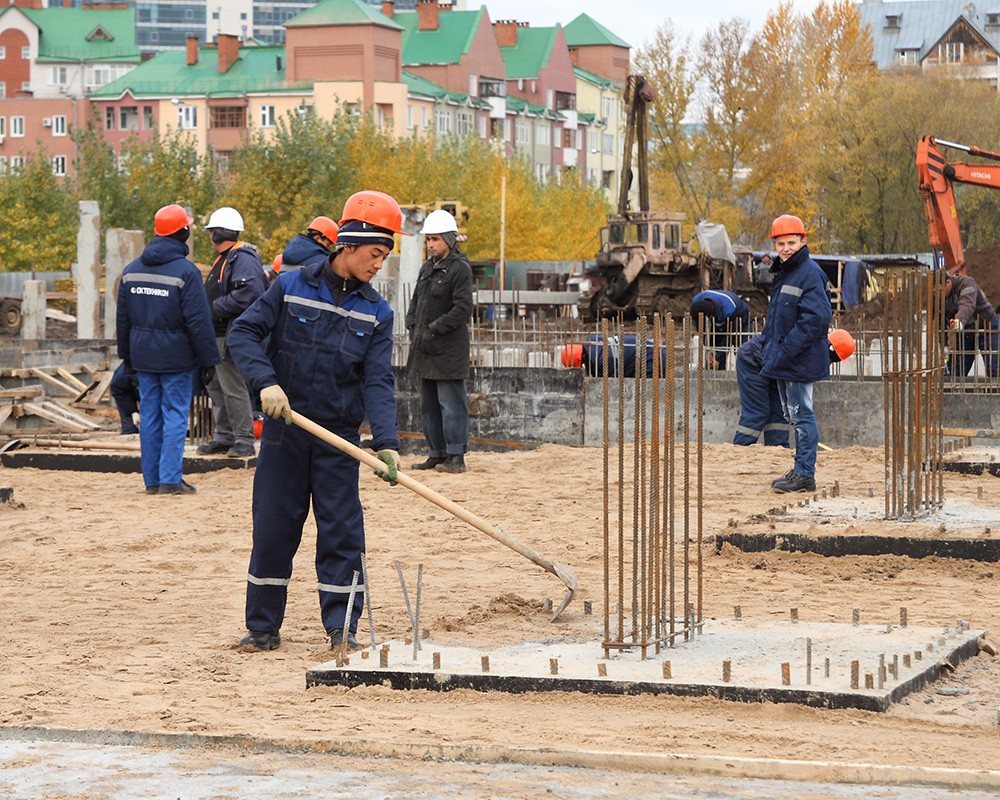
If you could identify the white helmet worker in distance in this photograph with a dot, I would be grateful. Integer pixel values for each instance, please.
(439, 222)
(225, 217)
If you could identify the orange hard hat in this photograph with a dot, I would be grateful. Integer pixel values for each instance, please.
(326, 226)
(276, 264)
(843, 343)
(375, 208)
(572, 355)
(171, 219)
(786, 225)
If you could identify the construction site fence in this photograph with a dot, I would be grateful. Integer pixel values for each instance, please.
(973, 354)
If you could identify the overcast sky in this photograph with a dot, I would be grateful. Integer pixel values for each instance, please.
(635, 20)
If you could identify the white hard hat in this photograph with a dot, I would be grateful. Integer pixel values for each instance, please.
(225, 217)
(439, 221)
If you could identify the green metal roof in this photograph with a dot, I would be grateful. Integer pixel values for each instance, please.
(446, 45)
(340, 12)
(529, 56)
(519, 106)
(586, 30)
(597, 80)
(169, 75)
(78, 34)
(421, 87)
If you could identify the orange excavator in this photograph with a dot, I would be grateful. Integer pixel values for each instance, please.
(937, 178)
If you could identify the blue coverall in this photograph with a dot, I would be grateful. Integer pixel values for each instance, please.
(732, 316)
(333, 361)
(760, 405)
(593, 356)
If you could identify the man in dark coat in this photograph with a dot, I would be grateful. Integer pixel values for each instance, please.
(438, 323)
(796, 349)
(165, 335)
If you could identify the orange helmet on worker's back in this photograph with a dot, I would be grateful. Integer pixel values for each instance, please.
(572, 355)
(276, 264)
(842, 343)
(787, 225)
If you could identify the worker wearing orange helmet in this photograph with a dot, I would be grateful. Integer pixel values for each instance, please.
(795, 349)
(319, 341)
(314, 245)
(165, 335)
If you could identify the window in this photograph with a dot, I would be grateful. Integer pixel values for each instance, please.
(951, 52)
(3, 127)
(549, 98)
(483, 121)
(227, 117)
(607, 178)
(506, 129)
(490, 87)
(892, 20)
(59, 125)
(17, 126)
(109, 119)
(26, 52)
(16, 163)
(58, 76)
(593, 141)
(187, 118)
(128, 117)
(59, 166)
(463, 123)
(423, 118)
(993, 19)
(25, 86)
(543, 134)
(3, 89)
(215, 15)
(908, 57)
(148, 120)
(543, 171)
(473, 85)
(607, 144)
(522, 132)
(267, 117)
(569, 138)
(3, 54)
(607, 106)
(3, 165)
(442, 120)
(565, 101)
(409, 117)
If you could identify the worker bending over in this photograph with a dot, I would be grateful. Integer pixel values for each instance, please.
(319, 341)
(965, 305)
(727, 315)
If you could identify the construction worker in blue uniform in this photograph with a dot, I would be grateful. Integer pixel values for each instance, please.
(729, 315)
(796, 348)
(314, 245)
(319, 341)
(590, 356)
(760, 404)
(165, 336)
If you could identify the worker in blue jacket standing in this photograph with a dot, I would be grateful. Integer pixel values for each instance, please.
(796, 348)
(729, 315)
(319, 341)
(314, 245)
(165, 336)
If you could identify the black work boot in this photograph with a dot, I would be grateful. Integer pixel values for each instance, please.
(784, 477)
(260, 640)
(796, 483)
(430, 463)
(337, 638)
(213, 448)
(452, 464)
(177, 488)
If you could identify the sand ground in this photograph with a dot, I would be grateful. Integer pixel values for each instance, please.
(122, 611)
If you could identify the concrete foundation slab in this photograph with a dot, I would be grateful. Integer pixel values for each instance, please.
(820, 662)
(113, 462)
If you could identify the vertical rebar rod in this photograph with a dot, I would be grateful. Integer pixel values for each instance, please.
(698, 490)
(670, 493)
(366, 582)
(619, 361)
(687, 471)
(637, 383)
(606, 390)
(655, 529)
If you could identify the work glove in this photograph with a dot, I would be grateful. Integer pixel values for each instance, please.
(127, 368)
(274, 403)
(205, 375)
(956, 324)
(391, 458)
(135, 418)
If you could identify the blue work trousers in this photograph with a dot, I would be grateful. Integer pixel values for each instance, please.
(988, 341)
(444, 412)
(165, 398)
(294, 468)
(760, 409)
(797, 402)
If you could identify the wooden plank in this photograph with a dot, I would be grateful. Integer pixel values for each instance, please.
(80, 419)
(58, 384)
(5, 412)
(51, 416)
(102, 388)
(70, 378)
(23, 391)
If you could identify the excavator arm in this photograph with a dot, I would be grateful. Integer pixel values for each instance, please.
(937, 178)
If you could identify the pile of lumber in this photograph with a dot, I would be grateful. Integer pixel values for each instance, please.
(59, 399)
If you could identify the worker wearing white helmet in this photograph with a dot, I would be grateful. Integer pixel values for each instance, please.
(236, 279)
(438, 323)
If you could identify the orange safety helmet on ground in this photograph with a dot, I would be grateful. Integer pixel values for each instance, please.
(786, 225)
(375, 208)
(842, 342)
(572, 355)
(171, 219)
(276, 264)
(326, 226)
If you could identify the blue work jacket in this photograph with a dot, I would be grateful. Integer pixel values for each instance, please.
(334, 362)
(798, 319)
(728, 306)
(302, 251)
(163, 319)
